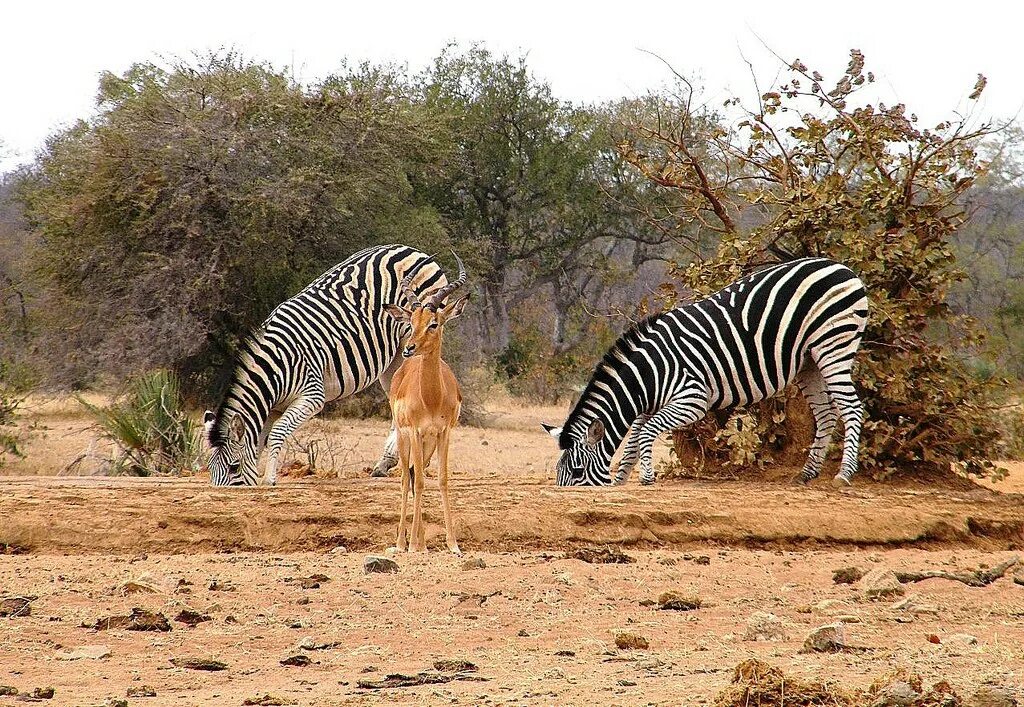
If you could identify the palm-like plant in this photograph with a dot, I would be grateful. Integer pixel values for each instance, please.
(155, 435)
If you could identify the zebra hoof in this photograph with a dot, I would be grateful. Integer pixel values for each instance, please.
(646, 482)
(381, 470)
(840, 482)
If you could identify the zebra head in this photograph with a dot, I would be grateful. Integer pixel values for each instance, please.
(231, 460)
(582, 462)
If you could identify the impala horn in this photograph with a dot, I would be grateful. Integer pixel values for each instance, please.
(406, 284)
(442, 294)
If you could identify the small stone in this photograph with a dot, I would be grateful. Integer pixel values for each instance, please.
(993, 696)
(376, 563)
(523, 633)
(762, 626)
(8, 691)
(115, 702)
(217, 586)
(565, 654)
(87, 652)
(44, 693)
(881, 583)
(199, 664)
(338, 550)
(846, 575)
(138, 620)
(142, 585)
(267, 700)
(825, 639)
(631, 641)
(626, 683)
(961, 640)
(474, 563)
(302, 601)
(676, 601)
(829, 605)
(554, 674)
(141, 691)
(454, 665)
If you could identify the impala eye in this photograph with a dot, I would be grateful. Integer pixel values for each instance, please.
(432, 326)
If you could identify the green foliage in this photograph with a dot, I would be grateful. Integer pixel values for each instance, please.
(148, 424)
(203, 194)
(812, 171)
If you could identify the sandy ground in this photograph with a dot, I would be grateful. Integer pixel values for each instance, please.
(539, 627)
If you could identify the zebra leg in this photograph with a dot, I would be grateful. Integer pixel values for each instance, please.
(630, 451)
(691, 406)
(841, 390)
(389, 457)
(309, 404)
(812, 385)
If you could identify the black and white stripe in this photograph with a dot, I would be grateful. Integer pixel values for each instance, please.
(329, 341)
(798, 322)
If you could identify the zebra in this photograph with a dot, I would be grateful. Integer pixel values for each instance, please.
(329, 341)
(796, 322)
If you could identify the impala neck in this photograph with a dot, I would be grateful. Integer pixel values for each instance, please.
(430, 376)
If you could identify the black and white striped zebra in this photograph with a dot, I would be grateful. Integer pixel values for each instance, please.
(797, 322)
(329, 341)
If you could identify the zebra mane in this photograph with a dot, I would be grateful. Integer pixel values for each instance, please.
(579, 415)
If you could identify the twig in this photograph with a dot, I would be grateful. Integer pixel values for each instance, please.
(977, 578)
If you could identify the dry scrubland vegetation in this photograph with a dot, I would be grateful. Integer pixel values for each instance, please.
(148, 238)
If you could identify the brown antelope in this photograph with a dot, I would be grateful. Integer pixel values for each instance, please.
(425, 404)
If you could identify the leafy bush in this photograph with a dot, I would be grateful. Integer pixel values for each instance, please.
(155, 435)
(808, 173)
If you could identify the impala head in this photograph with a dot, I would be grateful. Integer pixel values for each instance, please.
(428, 317)
(231, 460)
(582, 462)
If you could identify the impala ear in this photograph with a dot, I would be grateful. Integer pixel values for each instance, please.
(555, 432)
(455, 309)
(236, 429)
(402, 315)
(208, 419)
(595, 433)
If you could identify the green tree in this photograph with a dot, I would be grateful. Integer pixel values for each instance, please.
(814, 170)
(204, 193)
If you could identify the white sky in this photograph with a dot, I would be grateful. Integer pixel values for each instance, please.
(924, 54)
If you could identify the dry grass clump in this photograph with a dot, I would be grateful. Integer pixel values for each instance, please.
(758, 684)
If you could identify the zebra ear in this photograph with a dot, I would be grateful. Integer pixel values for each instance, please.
(402, 315)
(209, 418)
(237, 429)
(595, 433)
(555, 432)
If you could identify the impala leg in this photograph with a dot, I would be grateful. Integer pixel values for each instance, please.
(417, 544)
(442, 482)
(402, 541)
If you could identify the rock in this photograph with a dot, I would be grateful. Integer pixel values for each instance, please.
(993, 696)
(138, 620)
(827, 606)
(298, 660)
(376, 563)
(677, 601)
(881, 583)
(474, 563)
(897, 694)
(191, 617)
(847, 618)
(554, 674)
(762, 626)
(600, 555)
(846, 575)
(631, 641)
(198, 664)
(141, 691)
(216, 585)
(87, 652)
(115, 702)
(142, 585)
(8, 691)
(16, 606)
(267, 700)
(338, 550)
(44, 693)
(961, 640)
(825, 639)
(454, 665)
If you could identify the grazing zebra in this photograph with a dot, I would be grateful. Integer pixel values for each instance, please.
(798, 322)
(329, 341)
